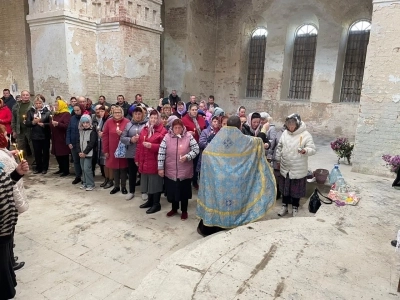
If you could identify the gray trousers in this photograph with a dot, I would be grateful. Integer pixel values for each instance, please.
(87, 178)
(77, 163)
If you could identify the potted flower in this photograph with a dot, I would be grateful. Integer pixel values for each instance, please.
(343, 148)
(392, 161)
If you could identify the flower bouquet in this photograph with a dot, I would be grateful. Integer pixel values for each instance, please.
(343, 148)
(392, 161)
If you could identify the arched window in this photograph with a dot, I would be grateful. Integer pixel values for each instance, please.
(305, 45)
(354, 63)
(255, 74)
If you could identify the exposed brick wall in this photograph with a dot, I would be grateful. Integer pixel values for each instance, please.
(189, 49)
(13, 45)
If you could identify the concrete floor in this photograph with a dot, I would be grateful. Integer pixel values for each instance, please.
(92, 245)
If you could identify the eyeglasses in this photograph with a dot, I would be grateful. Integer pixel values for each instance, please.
(117, 112)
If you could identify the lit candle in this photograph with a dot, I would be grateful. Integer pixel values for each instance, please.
(21, 155)
(117, 126)
(24, 117)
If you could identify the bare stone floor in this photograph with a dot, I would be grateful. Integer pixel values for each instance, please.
(92, 245)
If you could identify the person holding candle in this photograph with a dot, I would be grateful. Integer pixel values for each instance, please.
(9, 212)
(146, 159)
(194, 124)
(38, 119)
(108, 173)
(254, 128)
(177, 151)
(130, 137)
(58, 125)
(112, 132)
(20, 131)
(294, 147)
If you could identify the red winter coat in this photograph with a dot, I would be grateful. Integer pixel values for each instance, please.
(189, 124)
(5, 118)
(148, 157)
(110, 140)
(59, 134)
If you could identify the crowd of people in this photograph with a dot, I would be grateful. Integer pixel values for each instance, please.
(164, 149)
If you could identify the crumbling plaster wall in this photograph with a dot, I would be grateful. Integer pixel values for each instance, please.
(14, 46)
(378, 124)
(235, 22)
(82, 47)
(189, 47)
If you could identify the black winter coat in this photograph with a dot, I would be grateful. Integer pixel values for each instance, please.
(38, 132)
(246, 131)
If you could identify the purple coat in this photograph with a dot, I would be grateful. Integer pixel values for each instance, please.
(59, 134)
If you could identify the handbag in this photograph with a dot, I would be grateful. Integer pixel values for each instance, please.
(315, 201)
(120, 152)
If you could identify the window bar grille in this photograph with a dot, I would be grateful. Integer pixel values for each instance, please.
(354, 65)
(303, 67)
(256, 66)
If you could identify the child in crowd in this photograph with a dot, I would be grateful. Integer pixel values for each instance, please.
(294, 147)
(164, 119)
(85, 146)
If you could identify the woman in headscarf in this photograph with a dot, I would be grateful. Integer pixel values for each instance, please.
(111, 136)
(203, 107)
(130, 137)
(38, 119)
(58, 125)
(177, 151)
(207, 136)
(180, 110)
(253, 128)
(241, 111)
(146, 159)
(194, 124)
(108, 173)
(295, 146)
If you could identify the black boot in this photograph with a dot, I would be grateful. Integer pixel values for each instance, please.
(396, 182)
(148, 203)
(109, 184)
(104, 183)
(156, 203)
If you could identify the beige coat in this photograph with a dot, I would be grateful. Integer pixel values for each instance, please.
(287, 154)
